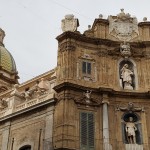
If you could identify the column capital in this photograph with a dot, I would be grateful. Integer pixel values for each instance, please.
(105, 99)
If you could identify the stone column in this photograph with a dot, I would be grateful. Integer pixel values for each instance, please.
(5, 136)
(106, 144)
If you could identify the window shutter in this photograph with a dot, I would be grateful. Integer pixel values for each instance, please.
(91, 130)
(88, 68)
(83, 67)
(87, 131)
(84, 129)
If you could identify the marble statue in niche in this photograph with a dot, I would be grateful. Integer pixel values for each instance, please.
(131, 129)
(126, 76)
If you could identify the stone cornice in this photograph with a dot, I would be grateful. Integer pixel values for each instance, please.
(11, 81)
(101, 90)
(83, 38)
(99, 41)
(100, 21)
(146, 23)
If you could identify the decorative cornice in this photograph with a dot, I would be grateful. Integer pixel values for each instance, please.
(101, 90)
(147, 23)
(100, 21)
(83, 38)
(11, 81)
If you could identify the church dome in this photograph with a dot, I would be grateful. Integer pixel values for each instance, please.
(7, 62)
(8, 71)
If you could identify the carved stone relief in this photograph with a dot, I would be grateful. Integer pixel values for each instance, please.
(130, 108)
(123, 26)
(69, 23)
(40, 88)
(125, 50)
(87, 99)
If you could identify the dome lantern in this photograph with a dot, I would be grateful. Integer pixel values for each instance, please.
(2, 35)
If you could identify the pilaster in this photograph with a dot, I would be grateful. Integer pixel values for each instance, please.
(5, 136)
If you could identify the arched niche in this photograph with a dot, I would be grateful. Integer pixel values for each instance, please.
(25, 147)
(127, 74)
(134, 122)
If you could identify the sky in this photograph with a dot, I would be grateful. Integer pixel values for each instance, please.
(31, 27)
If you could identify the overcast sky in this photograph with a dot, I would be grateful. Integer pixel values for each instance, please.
(31, 27)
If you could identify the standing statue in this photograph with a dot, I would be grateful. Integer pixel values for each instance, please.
(126, 75)
(130, 131)
(87, 95)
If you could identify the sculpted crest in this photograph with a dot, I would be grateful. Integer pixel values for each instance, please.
(69, 23)
(123, 26)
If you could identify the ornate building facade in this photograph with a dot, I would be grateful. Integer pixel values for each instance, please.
(97, 98)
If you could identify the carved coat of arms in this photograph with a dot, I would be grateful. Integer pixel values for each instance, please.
(123, 26)
(69, 23)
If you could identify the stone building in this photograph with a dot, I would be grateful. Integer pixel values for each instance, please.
(97, 98)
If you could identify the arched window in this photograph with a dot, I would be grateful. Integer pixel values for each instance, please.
(26, 147)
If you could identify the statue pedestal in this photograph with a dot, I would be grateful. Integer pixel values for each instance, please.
(133, 147)
(128, 87)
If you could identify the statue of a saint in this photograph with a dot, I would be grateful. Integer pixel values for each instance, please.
(126, 77)
(130, 131)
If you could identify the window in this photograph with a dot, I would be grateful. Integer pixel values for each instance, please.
(86, 67)
(26, 147)
(87, 131)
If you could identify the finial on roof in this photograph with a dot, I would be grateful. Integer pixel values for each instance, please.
(89, 27)
(69, 23)
(100, 16)
(122, 10)
(145, 19)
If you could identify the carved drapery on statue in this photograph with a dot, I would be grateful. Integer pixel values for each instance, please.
(131, 129)
(127, 75)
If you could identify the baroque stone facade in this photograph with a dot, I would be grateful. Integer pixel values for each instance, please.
(97, 98)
